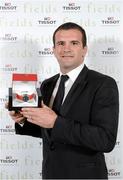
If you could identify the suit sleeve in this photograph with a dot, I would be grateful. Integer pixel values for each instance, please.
(28, 129)
(101, 131)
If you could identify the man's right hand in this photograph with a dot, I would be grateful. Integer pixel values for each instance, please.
(16, 116)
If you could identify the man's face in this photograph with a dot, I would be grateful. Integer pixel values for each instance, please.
(69, 49)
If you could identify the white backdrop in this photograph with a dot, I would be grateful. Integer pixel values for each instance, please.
(26, 29)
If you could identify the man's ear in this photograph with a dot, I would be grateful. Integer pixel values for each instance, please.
(85, 49)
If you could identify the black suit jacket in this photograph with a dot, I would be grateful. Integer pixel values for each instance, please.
(85, 129)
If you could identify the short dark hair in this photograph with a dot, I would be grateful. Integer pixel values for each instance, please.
(71, 25)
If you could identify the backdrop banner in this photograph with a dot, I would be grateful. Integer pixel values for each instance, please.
(26, 29)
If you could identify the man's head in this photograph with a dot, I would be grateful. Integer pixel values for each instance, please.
(68, 26)
(69, 46)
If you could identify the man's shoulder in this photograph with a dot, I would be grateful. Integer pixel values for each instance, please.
(95, 76)
(50, 79)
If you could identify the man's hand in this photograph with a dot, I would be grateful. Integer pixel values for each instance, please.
(17, 117)
(44, 116)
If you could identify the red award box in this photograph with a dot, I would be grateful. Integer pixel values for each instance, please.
(24, 92)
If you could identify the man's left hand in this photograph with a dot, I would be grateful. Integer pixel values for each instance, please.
(44, 116)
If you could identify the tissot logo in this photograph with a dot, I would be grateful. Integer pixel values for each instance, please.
(110, 21)
(7, 129)
(7, 6)
(71, 7)
(47, 21)
(8, 68)
(110, 51)
(8, 38)
(46, 52)
(113, 173)
(47, 18)
(8, 160)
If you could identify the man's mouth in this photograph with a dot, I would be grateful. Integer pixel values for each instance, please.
(67, 56)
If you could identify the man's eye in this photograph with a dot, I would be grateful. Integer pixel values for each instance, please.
(60, 43)
(75, 43)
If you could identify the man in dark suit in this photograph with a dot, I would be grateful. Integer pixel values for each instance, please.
(84, 127)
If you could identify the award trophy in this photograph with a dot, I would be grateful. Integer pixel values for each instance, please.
(24, 92)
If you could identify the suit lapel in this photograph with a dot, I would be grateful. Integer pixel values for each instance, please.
(47, 92)
(49, 87)
(75, 91)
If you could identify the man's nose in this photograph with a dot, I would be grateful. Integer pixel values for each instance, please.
(67, 48)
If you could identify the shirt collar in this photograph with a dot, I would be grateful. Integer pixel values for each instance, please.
(75, 72)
